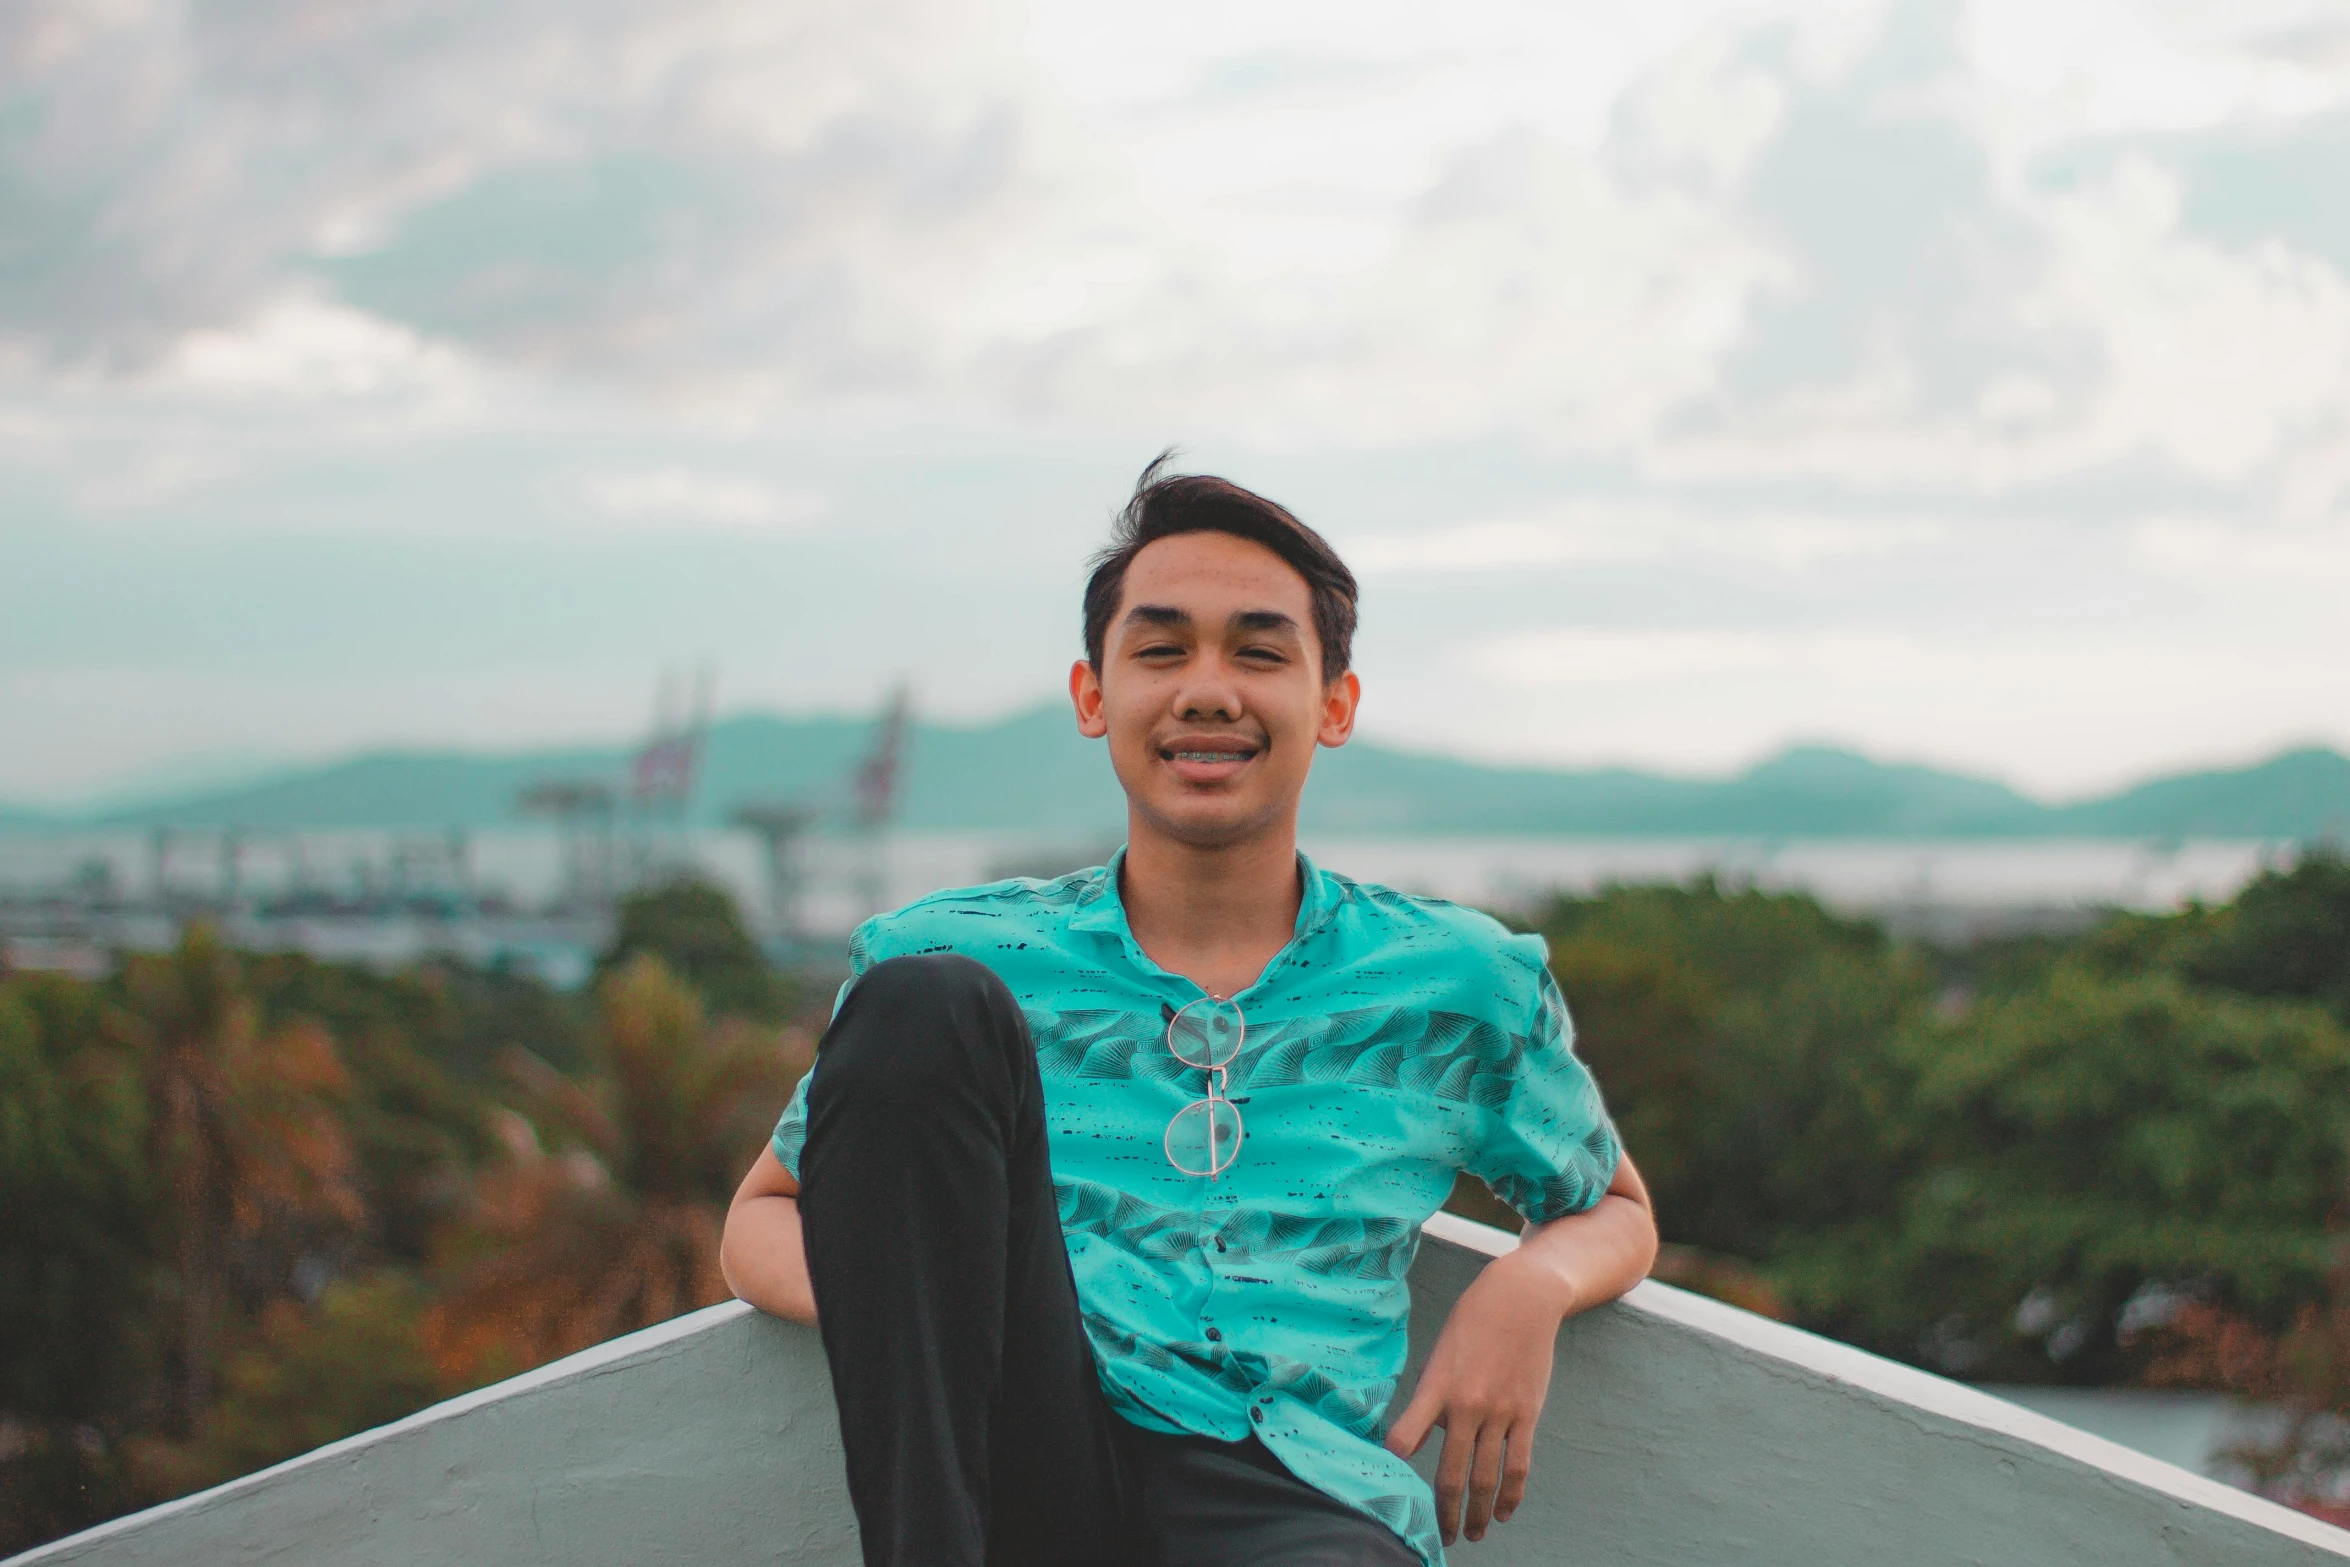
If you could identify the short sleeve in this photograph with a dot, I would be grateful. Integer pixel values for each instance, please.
(791, 1132)
(1548, 1150)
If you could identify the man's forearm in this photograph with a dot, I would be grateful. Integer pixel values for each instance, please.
(764, 1260)
(1588, 1259)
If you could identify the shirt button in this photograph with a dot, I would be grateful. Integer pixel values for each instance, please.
(1219, 1243)
(1256, 1412)
(1215, 1336)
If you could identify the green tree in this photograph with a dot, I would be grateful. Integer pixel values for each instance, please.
(2088, 1146)
(415, 1046)
(1742, 1040)
(76, 1259)
(308, 1376)
(244, 1135)
(2301, 1376)
(459, 1018)
(2286, 935)
(616, 1226)
(696, 930)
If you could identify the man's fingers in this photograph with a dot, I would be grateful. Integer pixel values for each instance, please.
(1452, 1475)
(1409, 1429)
(1514, 1470)
(1484, 1479)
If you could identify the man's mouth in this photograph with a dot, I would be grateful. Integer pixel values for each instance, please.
(1201, 760)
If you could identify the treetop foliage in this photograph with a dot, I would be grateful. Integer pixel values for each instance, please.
(249, 1203)
(695, 929)
(2009, 1163)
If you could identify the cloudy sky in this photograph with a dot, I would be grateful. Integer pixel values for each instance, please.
(1967, 383)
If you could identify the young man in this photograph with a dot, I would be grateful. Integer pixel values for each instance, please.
(1103, 1189)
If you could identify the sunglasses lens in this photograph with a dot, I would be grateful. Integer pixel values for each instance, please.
(1204, 1138)
(1207, 1033)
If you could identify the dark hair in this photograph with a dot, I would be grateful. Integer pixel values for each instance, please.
(1167, 504)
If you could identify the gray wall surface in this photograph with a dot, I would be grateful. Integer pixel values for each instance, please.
(1678, 1431)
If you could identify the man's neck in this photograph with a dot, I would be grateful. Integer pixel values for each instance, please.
(1216, 916)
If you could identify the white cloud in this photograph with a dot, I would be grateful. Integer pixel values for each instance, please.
(2061, 713)
(1724, 243)
(1694, 292)
(2199, 549)
(2217, 360)
(2123, 66)
(1606, 533)
(1856, 659)
(189, 167)
(160, 718)
(1500, 544)
(683, 496)
(1577, 657)
(307, 347)
(160, 472)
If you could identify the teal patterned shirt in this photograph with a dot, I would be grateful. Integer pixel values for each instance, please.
(1395, 1041)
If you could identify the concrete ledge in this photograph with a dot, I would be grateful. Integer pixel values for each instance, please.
(1679, 1431)
(708, 1439)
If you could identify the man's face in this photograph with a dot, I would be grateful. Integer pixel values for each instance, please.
(1211, 690)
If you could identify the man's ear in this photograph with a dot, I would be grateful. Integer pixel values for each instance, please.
(1085, 694)
(1340, 698)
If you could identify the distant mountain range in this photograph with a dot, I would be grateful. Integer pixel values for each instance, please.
(1033, 771)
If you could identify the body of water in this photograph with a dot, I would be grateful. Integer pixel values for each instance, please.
(523, 869)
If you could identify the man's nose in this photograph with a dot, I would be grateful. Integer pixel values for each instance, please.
(1212, 708)
(1209, 694)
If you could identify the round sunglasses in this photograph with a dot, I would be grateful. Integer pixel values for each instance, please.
(1204, 1137)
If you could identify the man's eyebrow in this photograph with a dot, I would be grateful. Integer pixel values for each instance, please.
(1263, 620)
(1242, 620)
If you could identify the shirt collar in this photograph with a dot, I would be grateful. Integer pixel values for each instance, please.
(1100, 908)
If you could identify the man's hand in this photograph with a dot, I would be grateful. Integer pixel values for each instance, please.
(1485, 1384)
(1486, 1379)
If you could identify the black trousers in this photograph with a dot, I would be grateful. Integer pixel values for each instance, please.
(974, 1423)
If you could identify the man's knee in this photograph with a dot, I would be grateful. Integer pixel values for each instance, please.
(943, 988)
(912, 1025)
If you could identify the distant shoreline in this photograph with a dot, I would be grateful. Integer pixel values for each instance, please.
(1030, 772)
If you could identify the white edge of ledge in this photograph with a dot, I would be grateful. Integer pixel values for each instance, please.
(630, 1347)
(1805, 1352)
(1955, 1401)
